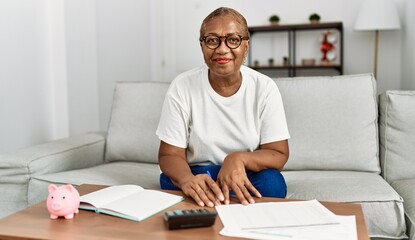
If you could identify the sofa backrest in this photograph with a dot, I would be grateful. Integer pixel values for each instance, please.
(397, 134)
(332, 122)
(135, 114)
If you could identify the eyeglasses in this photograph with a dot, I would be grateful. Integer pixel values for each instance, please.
(232, 41)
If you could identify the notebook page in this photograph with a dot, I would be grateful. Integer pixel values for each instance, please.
(143, 204)
(106, 195)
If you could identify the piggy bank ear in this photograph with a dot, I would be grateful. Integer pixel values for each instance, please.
(52, 188)
(69, 187)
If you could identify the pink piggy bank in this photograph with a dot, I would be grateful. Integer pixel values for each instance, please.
(62, 201)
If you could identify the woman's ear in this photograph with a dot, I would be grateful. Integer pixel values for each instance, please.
(247, 47)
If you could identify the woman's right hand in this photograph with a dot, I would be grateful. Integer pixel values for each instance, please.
(202, 189)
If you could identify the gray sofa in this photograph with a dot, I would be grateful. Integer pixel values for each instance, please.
(338, 150)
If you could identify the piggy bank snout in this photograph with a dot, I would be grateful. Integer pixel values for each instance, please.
(56, 205)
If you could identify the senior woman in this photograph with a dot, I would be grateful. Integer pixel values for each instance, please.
(222, 129)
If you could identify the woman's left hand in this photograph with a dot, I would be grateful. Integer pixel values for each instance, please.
(232, 176)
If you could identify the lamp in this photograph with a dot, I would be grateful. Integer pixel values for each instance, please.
(375, 15)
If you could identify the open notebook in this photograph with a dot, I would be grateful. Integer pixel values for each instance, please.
(128, 201)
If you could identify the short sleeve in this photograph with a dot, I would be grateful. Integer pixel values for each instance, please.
(273, 121)
(174, 120)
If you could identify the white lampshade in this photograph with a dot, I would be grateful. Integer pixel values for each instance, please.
(377, 15)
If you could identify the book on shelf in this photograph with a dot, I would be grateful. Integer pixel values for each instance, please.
(128, 201)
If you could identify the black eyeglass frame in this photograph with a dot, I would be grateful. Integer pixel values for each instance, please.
(203, 39)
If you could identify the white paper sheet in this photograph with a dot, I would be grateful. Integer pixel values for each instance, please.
(345, 230)
(275, 214)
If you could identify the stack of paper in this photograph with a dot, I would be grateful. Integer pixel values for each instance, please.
(285, 220)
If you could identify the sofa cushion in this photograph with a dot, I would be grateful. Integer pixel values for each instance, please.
(114, 173)
(332, 122)
(397, 134)
(134, 118)
(382, 206)
(405, 188)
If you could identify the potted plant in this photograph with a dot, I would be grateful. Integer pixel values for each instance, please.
(271, 62)
(256, 63)
(285, 61)
(314, 18)
(274, 19)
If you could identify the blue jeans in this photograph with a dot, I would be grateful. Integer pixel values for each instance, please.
(269, 182)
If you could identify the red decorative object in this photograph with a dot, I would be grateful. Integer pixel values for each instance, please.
(326, 46)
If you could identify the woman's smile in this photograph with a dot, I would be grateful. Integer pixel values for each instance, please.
(222, 60)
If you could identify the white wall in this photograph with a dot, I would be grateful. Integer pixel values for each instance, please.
(55, 48)
(26, 102)
(124, 37)
(408, 53)
(60, 59)
(83, 85)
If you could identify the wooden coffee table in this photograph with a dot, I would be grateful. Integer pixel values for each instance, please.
(34, 223)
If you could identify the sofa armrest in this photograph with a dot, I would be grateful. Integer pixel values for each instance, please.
(61, 155)
(17, 168)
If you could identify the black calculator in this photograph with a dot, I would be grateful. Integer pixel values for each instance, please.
(179, 219)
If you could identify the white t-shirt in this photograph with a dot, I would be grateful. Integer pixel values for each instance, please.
(211, 126)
